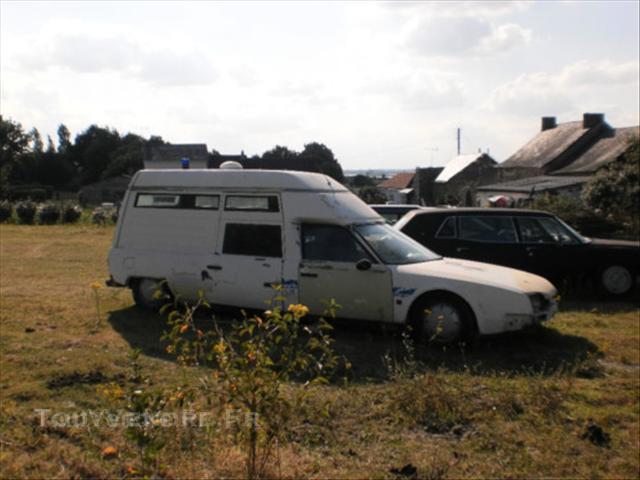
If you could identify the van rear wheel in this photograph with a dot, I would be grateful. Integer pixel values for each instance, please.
(145, 293)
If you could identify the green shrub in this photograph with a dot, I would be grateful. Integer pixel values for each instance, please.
(71, 213)
(26, 211)
(48, 213)
(254, 359)
(104, 215)
(6, 210)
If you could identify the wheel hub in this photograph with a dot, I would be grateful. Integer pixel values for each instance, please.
(442, 323)
(617, 279)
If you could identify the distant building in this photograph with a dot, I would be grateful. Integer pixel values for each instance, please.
(559, 160)
(398, 189)
(157, 156)
(520, 191)
(455, 184)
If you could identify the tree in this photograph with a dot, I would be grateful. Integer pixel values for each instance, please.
(14, 143)
(280, 157)
(92, 150)
(64, 139)
(372, 195)
(360, 180)
(322, 160)
(127, 158)
(615, 189)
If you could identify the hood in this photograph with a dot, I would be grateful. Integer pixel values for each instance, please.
(481, 273)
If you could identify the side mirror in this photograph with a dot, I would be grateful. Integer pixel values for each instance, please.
(363, 265)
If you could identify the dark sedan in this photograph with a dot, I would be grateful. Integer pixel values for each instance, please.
(529, 240)
(394, 212)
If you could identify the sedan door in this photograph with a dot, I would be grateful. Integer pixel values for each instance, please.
(550, 248)
(335, 266)
(490, 239)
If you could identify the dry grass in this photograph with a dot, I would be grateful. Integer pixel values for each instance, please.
(508, 407)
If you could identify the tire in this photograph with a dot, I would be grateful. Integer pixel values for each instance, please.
(616, 281)
(144, 293)
(443, 319)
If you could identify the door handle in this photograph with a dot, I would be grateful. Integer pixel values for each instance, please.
(214, 267)
(308, 274)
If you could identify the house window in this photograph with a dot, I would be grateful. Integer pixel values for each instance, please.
(266, 203)
(252, 240)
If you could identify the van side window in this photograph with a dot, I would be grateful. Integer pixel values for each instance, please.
(252, 240)
(331, 243)
(157, 200)
(246, 203)
(181, 201)
(447, 229)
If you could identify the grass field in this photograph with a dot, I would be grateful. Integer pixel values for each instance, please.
(561, 402)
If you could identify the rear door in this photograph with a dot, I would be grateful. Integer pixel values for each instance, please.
(249, 258)
(490, 239)
(328, 272)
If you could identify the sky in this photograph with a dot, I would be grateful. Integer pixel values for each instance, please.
(383, 84)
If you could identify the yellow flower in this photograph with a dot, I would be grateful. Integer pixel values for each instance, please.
(95, 285)
(219, 347)
(298, 310)
(109, 452)
(184, 328)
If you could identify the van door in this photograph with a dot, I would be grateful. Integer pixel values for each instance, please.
(249, 257)
(328, 271)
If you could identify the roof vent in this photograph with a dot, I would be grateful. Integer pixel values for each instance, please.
(231, 165)
(590, 120)
(548, 123)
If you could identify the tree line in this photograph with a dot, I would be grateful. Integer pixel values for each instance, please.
(98, 153)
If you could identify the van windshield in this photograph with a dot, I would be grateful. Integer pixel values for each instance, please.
(392, 246)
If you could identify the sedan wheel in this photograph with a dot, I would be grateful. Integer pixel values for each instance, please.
(616, 280)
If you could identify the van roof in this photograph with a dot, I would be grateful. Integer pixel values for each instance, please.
(229, 179)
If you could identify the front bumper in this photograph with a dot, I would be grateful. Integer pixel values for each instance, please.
(518, 321)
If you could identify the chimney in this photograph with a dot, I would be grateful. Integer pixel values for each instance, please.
(590, 120)
(548, 123)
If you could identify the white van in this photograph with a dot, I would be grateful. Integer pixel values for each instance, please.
(232, 234)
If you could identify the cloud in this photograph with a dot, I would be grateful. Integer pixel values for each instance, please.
(531, 95)
(504, 37)
(420, 90)
(465, 36)
(595, 73)
(85, 53)
(578, 84)
(468, 8)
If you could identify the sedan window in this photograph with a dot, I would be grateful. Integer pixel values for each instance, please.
(543, 230)
(491, 229)
(447, 229)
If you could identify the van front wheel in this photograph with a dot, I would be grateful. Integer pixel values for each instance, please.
(145, 294)
(443, 319)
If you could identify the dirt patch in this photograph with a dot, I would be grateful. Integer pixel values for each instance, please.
(76, 378)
